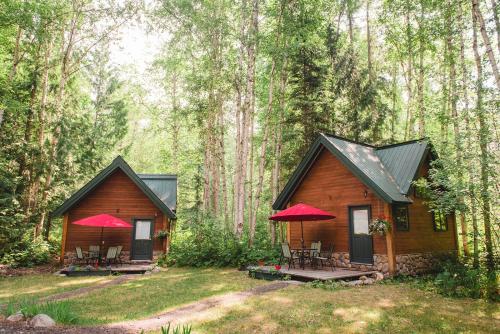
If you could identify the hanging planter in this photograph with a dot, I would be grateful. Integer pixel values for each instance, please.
(162, 234)
(379, 225)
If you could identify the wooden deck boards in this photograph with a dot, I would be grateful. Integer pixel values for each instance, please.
(323, 275)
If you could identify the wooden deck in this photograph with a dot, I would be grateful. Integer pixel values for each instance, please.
(122, 269)
(309, 274)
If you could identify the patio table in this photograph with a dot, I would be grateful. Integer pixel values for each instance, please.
(302, 252)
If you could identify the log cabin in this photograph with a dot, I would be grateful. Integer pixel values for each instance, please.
(146, 201)
(357, 183)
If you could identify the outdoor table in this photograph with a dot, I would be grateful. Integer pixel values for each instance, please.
(302, 252)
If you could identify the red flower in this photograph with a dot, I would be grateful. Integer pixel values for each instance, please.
(277, 267)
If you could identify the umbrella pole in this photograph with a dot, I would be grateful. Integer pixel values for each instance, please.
(302, 230)
(102, 244)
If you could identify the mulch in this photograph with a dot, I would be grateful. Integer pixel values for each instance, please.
(6, 271)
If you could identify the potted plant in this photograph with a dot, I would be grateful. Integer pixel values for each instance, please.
(379, 225)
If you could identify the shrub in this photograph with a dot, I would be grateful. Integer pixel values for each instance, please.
(28, 253)
(209, 244)
(461, 280)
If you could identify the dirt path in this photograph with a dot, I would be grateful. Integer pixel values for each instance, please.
(205, 309)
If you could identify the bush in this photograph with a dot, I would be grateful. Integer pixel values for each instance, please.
(209, 244)
(28, 253)
(461, 280)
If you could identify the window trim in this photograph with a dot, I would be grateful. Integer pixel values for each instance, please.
(394, 209)
(434, 226)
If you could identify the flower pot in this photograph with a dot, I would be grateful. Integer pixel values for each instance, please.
(261, 263)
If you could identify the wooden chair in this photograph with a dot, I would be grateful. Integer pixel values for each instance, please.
(80, 256)
(94, 252)
(327, 258)
(119, 255)
(111, 255)
(289, 255)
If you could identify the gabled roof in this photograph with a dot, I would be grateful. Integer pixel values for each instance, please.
(157, 193)
(387, 170)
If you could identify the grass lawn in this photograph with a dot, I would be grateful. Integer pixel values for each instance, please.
(156, 293)
(391, 308)
(14, 289)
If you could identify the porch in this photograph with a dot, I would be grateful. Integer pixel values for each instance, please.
(141, 268)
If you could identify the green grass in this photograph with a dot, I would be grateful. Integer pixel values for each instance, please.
(156, 293)
(59, 311)
(392, 308)
(16, 289)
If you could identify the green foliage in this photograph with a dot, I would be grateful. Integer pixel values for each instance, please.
(28, 253)
(185, 329)
(207, 243)
(59, 311)
(461, 280)
(455, 279)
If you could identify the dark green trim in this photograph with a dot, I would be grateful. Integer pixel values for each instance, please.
(306, 163)
(118, 162)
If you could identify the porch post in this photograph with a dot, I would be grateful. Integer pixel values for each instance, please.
(389, 237)
(63, 241)
(165, 227)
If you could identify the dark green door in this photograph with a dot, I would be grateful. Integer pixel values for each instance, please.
(361, 241)
(142, 239)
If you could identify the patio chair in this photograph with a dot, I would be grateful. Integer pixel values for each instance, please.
(94, 252)
(314, 253)
(327, 258)
(289, 255)
(111, 255)
(80, 256)
(119, 254)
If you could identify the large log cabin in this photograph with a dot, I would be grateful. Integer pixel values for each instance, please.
(358, 182)
(146, 201)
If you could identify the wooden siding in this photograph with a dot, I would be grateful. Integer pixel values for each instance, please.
(421, 237)
(330, 186)
(117, 196)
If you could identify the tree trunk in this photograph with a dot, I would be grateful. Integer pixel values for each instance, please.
(409, 81)
(484, 156)
(476, 11)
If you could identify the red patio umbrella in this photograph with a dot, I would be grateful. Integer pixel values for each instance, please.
(301, 212)
(102, 221)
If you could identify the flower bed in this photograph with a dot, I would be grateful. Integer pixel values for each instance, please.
(268, 274)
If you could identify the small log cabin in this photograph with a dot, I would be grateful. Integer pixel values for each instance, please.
(146, 201)
(357, 183)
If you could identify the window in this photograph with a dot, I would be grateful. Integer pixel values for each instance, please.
(142, 230)
(440, 221)
(401, 217)
(360, 221)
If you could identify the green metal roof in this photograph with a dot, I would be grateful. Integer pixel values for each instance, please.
(164, 186)
(157, 194)
(387, 170)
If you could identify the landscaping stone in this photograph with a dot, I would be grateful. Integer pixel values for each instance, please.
(42, 320)
(378, 276)
(363, 278)
(368, 281)
(16, 317)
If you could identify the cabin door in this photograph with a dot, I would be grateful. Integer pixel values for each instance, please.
(142, 239)
(361, 242)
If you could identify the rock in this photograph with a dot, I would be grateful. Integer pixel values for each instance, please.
(385, 268)
(156, 270)
(16, 317)
(369, 281)
(2, 317)
(363, 278)
(354, 283)
(42, 320)
(378, 276)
